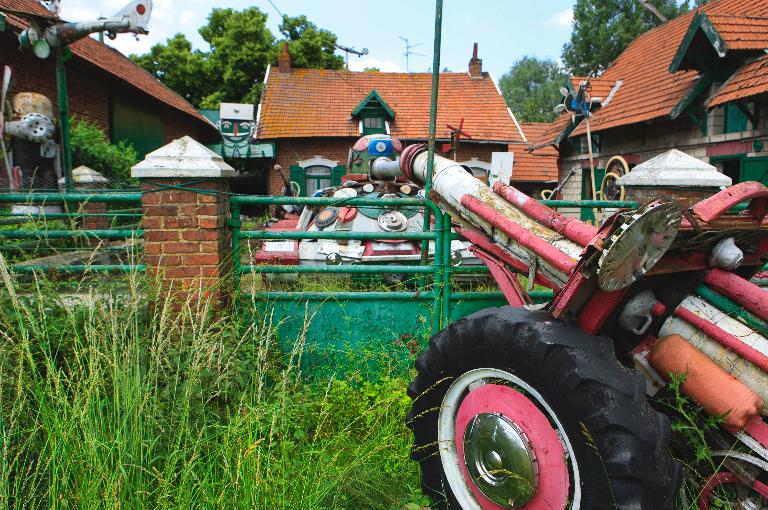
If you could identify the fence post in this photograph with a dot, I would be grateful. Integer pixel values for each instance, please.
(89, 180)
(185, 201)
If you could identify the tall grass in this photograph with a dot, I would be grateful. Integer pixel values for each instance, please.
(120, 404)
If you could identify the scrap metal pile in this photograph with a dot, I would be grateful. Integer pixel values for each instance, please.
(667, 284)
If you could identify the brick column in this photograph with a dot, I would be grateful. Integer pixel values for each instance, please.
(186, 205)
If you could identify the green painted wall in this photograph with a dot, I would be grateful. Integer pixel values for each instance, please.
(137, 126)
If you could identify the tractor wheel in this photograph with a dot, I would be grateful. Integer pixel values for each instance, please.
(515, 409)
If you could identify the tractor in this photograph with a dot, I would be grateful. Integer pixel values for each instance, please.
(566, 405)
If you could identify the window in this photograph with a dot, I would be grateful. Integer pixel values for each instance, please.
(373, 125)
(317, 178)
(734, 120)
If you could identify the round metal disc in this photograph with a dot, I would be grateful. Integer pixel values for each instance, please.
(326, 217)
(638, 245)
(500, 460)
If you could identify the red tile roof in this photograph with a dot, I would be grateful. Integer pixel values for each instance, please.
(318, 103)
(539, 165)
(750, 80)
(741, 32)
(106, 59)
(600, 87)
(649, 90)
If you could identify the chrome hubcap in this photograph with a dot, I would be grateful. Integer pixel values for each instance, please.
(500, 460)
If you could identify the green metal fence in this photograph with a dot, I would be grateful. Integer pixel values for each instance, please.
(41, 233)
(434, 288)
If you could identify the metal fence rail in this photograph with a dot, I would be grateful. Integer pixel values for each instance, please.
(438, 271)
(66, 227)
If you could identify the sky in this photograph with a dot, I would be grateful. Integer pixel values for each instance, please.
(505, 30)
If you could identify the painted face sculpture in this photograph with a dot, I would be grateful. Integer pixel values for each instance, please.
(236, 126)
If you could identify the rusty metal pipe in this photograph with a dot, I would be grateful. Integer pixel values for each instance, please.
(743, 292)
(572, 228)
(525, 238)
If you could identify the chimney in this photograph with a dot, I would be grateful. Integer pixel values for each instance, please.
(475, 65)
(284, 60)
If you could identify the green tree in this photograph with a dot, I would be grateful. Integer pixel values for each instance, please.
(241, 47)
(310, 47)
(177, 65)
(531, 88)
(602, 29)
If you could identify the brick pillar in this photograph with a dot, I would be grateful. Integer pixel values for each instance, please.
(186, 239)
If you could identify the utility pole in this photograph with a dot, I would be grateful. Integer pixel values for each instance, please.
(408, 53)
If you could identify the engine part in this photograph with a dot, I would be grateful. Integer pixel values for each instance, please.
(726, 255)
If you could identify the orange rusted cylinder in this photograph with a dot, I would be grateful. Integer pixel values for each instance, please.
(714, 389)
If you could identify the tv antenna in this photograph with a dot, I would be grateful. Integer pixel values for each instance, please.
(347, 50)
(408, 53)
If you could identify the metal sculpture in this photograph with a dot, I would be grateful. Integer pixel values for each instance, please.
(533, 409)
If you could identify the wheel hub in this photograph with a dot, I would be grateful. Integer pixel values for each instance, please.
(500, 460)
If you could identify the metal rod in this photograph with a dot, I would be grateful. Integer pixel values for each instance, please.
(572, 228)
(588, 204)
(282, 234)
(342, 296)
(733, 309)
(433, 116)
(37, 198)
(63, 100)
(70, 234)
(361, 269)
(743, 292)
(80, 268)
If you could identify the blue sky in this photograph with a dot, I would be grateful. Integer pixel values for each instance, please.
(505, 29)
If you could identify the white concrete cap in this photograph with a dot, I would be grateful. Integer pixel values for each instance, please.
(85, 175)
(675, 168)
(184, 157)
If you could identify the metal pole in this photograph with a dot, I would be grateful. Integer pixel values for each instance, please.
(432, 125)
(63, 99)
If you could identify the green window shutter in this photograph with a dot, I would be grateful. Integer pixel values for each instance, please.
(754, 169)
(297, 175)
(734, 119)
(337, 173)
(587, 214)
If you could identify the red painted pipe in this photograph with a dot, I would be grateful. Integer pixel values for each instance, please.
(480, 240)
(724, 338)
(573, 229)
(540, 247)
(743, 292)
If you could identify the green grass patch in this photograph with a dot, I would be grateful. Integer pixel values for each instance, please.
(121, 404)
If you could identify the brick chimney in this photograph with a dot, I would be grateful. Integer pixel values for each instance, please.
(284, 60)
(475, 65)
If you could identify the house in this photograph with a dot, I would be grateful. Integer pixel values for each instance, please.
(313, 117)
(105, 87)
(534, 170)
(698, 83)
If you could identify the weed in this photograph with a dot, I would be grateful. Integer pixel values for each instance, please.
(116, 403)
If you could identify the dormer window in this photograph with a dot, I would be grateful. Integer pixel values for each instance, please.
(373, 113)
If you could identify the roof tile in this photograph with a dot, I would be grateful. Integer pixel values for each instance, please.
(315, 103)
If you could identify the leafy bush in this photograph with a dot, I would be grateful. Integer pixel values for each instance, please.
(91, 147)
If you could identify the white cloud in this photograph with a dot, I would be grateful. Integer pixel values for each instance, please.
(386, 66)
(561, 19)
(189, 18)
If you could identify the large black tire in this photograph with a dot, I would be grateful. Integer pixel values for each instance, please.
(622, 458)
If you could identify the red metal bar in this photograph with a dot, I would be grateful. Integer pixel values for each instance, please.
(715, 206)
(540, 247)
(477, 238)
(724, 338)
(597, 310)
(506, 280)
(572, 228)
(758, 430)
(747, 294)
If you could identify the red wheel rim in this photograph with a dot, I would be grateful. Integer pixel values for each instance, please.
(726, 478)
(554, 482)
